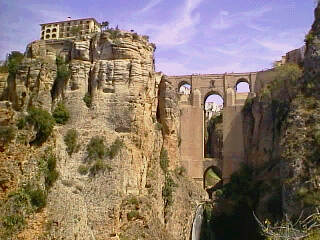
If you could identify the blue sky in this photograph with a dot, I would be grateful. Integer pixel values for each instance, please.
(192, 36)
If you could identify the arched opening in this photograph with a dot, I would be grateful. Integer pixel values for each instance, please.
(212, 180)
(54, 30)
(48, 31)
(185, 88)
(213, 127)
(242, 86)
(54, 35)
(47, 36)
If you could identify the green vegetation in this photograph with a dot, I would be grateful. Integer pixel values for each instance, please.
(164, 160)
(88, 100)
(158, 126)
(48, 164)
(238, 199)
(309, 38)
(167, 190)
(13, 223)
(280, 110)
(30, 197)
(115, 148)
(99, 166)
(114, 33)
(63, 75)
(38, 198)
(42, 121)
(96, 148)
(71, 140)
(12, 63)
(7, 134)
(97, 152)
(180, 171)
(83, 169)
(61, 113)
(134, 214)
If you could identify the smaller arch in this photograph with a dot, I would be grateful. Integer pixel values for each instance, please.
(48, 31)
(184, 88)
(243, 86)
(54, 35)
(54, 30)
(211, 176)
(47, 36)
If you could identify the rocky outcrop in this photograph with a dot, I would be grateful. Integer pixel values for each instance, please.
(114, 73)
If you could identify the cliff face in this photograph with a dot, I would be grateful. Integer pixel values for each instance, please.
(111, 92)
(281, 129)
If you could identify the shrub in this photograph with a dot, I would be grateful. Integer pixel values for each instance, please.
(83, 169)
(96, 148)
(7, 134)
(88, 100)
(43, 123)
(38, 198)
(14, 60)
(63, 72)
(61, 114)
(98, 166)
(71, 140)
(21, 123)
(134, 214)
(135, 36)
(164, 160)
(13, 222)
(133, 201)
(167, 191)
(115, 148)
(48, 164)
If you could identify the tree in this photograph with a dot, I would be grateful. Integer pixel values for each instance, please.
(14, 60)
(105, 25)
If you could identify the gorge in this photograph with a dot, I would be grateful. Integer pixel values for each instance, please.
(95, 144)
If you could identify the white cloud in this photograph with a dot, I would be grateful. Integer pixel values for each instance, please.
(178, 31)
(226, 20)
(149, 6)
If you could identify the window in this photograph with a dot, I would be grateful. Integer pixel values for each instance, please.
(68, 23)
(54, 35)
(47, 36)
(68, 35)
(61, 35)
(68, 28)
(42, 33)
(48, 31)
(54, 30)
(42, 28)
(81, 22)
(88, 22)
(42, 38)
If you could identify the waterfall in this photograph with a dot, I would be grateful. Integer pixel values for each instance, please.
(197, 222)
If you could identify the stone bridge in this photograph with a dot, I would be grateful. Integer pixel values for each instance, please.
(192, 119)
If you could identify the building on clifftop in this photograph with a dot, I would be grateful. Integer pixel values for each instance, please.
(69, 28)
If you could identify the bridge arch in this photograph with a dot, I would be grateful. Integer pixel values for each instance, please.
(212, 93)
(212, 179)
(243, 85)
(184, 87)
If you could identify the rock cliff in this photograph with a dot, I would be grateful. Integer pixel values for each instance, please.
(111, 92)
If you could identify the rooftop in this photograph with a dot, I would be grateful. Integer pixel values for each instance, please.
(71, 20)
